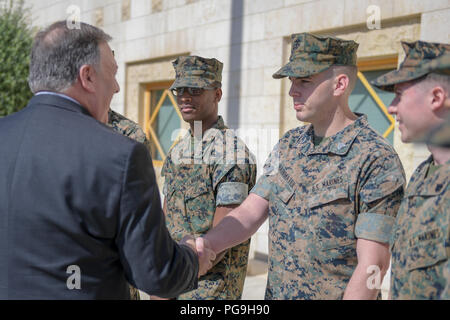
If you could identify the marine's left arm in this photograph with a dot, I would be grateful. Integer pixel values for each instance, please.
(373, 263)
(232, 184)
(380, 196)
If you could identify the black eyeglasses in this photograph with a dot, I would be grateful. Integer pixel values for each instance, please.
(178, 92)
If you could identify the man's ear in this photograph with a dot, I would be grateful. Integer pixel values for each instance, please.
(341, 83)
(438, 97)
(218, 94)
(86, 76)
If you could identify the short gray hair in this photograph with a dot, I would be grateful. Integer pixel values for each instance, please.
(58, 53)
(433, 79)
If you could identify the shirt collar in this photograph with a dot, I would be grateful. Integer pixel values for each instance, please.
(62, 95)
(209, 134)
(339, 143)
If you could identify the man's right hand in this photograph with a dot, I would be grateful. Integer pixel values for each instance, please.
(206, 255)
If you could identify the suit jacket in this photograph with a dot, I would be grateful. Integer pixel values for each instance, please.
(80, 212)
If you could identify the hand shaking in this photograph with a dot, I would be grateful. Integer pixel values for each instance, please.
(202, 247)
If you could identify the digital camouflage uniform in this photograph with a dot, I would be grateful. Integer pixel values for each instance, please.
(420, 243)
(127, 127)
(323, 198)
(131, 130)
(202, 173)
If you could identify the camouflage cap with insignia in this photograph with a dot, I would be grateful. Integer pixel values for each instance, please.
(197, 72)
(421, 58)
(311, 54)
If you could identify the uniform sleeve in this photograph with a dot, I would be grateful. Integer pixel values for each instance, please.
(152, 261)
(232, 181)
(381, 193)
(234, 185)
(263, 187)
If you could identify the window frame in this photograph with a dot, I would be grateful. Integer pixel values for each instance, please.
(374, 64)
(151, 113)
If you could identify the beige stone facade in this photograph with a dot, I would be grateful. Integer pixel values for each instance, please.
(251, 38)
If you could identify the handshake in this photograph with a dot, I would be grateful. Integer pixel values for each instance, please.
(205, 253)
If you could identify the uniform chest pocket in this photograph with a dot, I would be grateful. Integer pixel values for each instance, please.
(429, 190)
(428, 200)
(332, 214)
(325, 196)
(199, 206)
(196, 186)
(425, 250)
(195, 190)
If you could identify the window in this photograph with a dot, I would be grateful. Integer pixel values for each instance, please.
(162, 120)
(370, 100)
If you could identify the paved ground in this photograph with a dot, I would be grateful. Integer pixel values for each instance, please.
(254, 287)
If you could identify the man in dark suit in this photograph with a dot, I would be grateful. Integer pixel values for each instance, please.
(80, 212)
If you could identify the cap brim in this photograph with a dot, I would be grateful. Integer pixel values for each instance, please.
(191, 82)
(298, 69)
(387, 81)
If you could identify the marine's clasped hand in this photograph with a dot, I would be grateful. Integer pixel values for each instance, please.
(202, 248)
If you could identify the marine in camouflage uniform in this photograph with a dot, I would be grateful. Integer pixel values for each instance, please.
(420, 243)
(203, 172)
(130, 129)
(323, 197)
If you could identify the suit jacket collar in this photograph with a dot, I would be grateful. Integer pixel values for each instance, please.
(58, 102)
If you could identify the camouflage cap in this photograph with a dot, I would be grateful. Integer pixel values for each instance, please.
(197, 72)
(421, 58)
(311, 54)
